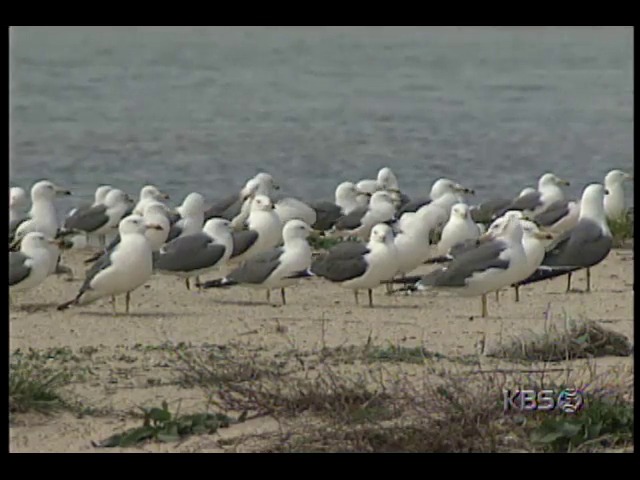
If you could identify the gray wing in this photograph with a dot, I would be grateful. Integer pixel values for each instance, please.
(343, 262)
(483, 257)
(101, 264)
(484, 212)
(18, 270)
(225, 208)
(87, 219)
(13, 226)
(414, 205)
(258, 268)
(530, 201)
(188, 253)
(174, 232)
(583, 246)
(553, 213)
(351, 220)
(327, 213)
(242, 241)
(173, 217)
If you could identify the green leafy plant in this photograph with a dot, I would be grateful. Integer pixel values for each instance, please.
(602, 422)
(159, 424)
(397, 353)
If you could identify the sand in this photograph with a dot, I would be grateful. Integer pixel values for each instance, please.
(120, 362)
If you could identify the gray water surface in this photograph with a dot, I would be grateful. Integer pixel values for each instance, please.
(204, 108)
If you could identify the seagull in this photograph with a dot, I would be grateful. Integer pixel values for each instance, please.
(532, 203)
(127, 267)
(486, 267)
(42, 218)
(264, 231)
(229, 207)
(614, 202)
(42, 215)
(459, 228)
(147, 194)
(101, 218)
(386, 180)
(360, 221)
(18, 205)
(29, 267)
(279, 267)
(154, 213)
(191, 217)
(488, 210)
(586, 245)
(534, 242)
(412, 240)
(443, 187)
(357, 266)
(327, 213)
(99, 197)
(198, 253)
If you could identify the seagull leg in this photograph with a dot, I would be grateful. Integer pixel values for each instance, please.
(186, 282)
(268, 295)
(568, 282)
(497, 296)
(284, 300)
(484, 305)
(517, 289)
(355, 295)
(198, 284)
(588, 279)
(370, 291)
(113, 304)
(127, 301)
(102, 240)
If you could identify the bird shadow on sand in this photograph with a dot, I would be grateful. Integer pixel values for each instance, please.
(247, 303)
(35, 307)
(394, 306)
(109, 314)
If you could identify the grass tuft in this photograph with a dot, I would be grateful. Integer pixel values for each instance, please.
(578, 340)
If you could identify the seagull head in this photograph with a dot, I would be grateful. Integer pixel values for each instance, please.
(45, 189)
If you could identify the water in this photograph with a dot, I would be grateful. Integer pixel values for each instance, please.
(204, 108)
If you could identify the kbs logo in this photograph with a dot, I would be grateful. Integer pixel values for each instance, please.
(568, 400)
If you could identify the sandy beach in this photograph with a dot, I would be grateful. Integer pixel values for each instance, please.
(120, 362)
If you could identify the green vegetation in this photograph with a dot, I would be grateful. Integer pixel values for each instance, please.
(160, 425)
(35, 388)
(622, 229)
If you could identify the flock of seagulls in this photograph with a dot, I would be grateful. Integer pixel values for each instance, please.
(261, 237)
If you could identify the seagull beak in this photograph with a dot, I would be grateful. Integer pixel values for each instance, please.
(275, 186)
(461, 189)
(629, 177)
(564, 182)
(542, 235)
(485, 237)
(165, 196)
(59, 242)
(62, 191)
(366, 194)
(153, 226)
